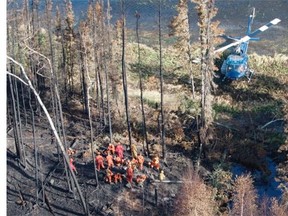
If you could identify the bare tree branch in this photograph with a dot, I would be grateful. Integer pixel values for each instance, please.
(11, 74)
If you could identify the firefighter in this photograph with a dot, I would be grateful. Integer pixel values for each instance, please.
(71, 151)
(117, 178)
(109, 175)
(109, 159)
(134, 151)
(111, 148)
(134, 163)
(119, 150)
(140, 160)
(99, 161)
(118, 161)
(140, 179)
(161, 175)
(71, 161)
(129, 174)
(155, 163)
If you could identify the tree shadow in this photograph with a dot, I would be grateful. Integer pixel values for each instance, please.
(250, 143)
(258, 89)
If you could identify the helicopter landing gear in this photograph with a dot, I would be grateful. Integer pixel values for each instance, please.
(250, 74)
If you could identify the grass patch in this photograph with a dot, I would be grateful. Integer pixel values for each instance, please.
(273, 109)
(226, 109)
(189, 106)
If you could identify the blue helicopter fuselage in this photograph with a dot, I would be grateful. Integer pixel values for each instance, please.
(235, 66)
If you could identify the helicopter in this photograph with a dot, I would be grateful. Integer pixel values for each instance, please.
(235, 66)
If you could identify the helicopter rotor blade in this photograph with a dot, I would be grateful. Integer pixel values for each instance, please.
(227, 37)
(241, 40)
(248, 37)
(265, 27)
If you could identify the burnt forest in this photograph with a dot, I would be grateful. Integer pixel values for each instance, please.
(120, 108)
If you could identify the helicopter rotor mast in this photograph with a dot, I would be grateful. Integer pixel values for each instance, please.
(250, 36)
(250, 21)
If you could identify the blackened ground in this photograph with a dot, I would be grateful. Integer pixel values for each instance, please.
(106, 199)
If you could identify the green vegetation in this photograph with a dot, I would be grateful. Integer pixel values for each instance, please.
(227, 109)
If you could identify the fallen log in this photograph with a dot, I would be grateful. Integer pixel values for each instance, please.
(21, 202)
(48, 203)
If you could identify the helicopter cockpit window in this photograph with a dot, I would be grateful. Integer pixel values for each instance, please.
(238, 67)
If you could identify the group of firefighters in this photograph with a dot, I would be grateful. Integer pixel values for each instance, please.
(113, 157)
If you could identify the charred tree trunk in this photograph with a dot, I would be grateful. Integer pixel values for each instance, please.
(106, 72)
(15, 121)
(161, 81)
(141, 87)
(23, 104)
(108, 100)
(206, 11)
(124, 76)
(88, 85)
(84, 83)
(35, 149)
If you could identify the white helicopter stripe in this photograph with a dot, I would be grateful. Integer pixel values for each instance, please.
(263, 28)
(244, 39)
(275, 21)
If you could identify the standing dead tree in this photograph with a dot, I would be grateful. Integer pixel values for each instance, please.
(59, 142)
(244, 196)
(84, 49)
(106, 52)
(108, 67)
(179, 27)
(162, 125)
(124, 76)
(137, 15)
(206, 11)
(70, 49)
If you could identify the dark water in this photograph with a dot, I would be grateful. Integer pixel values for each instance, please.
(233, 15)
(268, 188)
